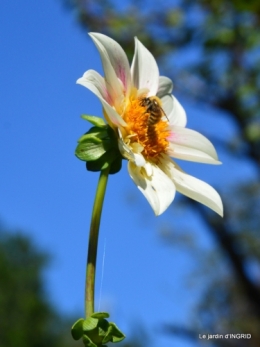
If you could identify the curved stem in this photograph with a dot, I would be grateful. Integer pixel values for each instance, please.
(93, 242)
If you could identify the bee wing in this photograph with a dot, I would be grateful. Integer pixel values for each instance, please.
(165, 115)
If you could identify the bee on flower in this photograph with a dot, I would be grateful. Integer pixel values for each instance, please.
(149, 123)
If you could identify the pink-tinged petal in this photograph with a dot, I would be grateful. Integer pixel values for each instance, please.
(190, 145)
(98, 81)
(113, 84)
(165, 86)
(117, 58)
(144, 69)
(158, 188)
(175, 112)
(93, 81)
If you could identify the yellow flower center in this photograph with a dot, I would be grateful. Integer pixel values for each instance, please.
(146, 127)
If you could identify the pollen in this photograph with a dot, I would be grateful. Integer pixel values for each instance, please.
(152, 137)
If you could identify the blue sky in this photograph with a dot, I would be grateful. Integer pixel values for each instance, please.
(47, 193)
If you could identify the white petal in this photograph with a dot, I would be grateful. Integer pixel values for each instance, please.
(190, 145)
(148, 168)
(144, 69)
(117, 57)
(138, 160)
(98, 81)
(93, 81)
(165, 86)
(126, 151)
(197, 190)
(113, 84)
(184, 153)
(175, 112)
(158, 189)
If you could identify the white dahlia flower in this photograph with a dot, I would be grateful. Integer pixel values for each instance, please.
(150, 125)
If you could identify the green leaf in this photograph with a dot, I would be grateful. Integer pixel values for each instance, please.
(89, 324)
(97, 121)
(108, 337)
(117, 334)
(88, 342)
(103, 326)
(100, 315)
(77, 329)
(96, 330)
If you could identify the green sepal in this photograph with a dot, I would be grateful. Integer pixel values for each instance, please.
(97, 121)
(95, 134)
(89, 151)
(99, 147)
(93, 144)
(109, 158)
(77, 329)
(116, 166)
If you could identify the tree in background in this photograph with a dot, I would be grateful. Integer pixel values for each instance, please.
(219, 44)
(27, 318)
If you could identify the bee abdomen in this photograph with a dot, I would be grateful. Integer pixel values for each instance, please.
(154, 117)
(151, 130)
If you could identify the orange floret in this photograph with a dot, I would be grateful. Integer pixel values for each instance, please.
(155, 142)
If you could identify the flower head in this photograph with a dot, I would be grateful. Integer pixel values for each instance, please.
(149, 123)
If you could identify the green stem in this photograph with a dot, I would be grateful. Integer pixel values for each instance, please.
(93, 242)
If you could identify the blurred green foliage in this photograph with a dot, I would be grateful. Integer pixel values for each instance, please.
(27, 317)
